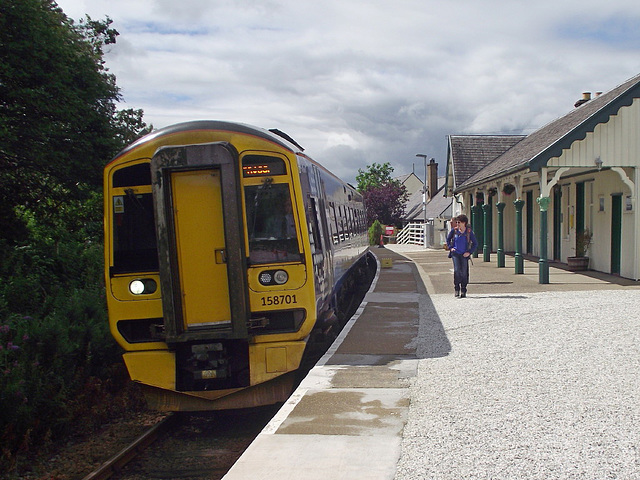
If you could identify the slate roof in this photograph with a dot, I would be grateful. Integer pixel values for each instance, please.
(438, 206)
(471, 153)
(536, 149)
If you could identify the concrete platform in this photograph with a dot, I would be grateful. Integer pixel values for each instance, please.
(346, 418)
(518, 380)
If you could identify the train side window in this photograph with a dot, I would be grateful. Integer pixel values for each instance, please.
(315, 226)
(271, 225)
(336, 238)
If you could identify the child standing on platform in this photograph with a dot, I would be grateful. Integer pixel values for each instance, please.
(463, 245)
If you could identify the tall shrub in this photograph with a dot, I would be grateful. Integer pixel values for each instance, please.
(54, 337)
(375, 230)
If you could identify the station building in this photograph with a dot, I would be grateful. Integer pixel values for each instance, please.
(570, 186)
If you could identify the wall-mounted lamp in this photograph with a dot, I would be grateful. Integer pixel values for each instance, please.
(598, 161)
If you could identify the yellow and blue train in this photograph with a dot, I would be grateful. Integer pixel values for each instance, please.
(226, 249)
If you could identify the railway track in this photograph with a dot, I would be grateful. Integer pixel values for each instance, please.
(118, 461)
(203, 444)
(188, 445)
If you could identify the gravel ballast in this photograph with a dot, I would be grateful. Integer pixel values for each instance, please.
(522, 380)
(535, 385)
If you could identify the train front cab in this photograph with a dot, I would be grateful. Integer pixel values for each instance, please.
(203, 340)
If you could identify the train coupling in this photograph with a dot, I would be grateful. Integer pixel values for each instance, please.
(208, 361)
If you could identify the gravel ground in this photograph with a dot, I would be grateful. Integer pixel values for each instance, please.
(526, 386)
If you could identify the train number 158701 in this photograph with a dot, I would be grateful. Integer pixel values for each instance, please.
(278, 300)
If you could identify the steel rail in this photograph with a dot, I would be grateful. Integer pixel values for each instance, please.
(118, 461)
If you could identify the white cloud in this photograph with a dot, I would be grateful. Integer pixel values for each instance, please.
(358, 82)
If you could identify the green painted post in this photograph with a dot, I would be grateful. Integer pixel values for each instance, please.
(543, 264)
(486, 249)
(472, 216)
(489, 240)
(500, 206)
(478, 227)
(518, 257)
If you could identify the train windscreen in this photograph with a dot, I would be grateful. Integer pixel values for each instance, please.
(134, 234)
(271, 226)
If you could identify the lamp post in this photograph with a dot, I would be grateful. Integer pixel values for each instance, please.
(424, 187)
(424, 198)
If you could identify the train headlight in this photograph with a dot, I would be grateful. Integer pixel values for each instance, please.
(136, 287)
(144, 286)
(273, 277)
(280, 277)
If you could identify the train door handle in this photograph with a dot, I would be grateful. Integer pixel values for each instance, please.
(221, 256)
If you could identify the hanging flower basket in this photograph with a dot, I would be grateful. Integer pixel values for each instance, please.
(508, 189)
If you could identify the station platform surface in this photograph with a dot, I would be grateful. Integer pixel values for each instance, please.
(518, 380)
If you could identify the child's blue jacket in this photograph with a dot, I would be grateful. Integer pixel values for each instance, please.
(461, 242)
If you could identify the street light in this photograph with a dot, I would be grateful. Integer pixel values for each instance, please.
(424, 188)
(424, 200)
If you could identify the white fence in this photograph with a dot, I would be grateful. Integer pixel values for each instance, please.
(414, 234)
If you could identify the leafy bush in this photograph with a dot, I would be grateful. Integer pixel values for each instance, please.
(375, 230)
(57, 356)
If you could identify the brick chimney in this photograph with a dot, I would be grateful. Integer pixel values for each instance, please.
(432, 178)
(586, 96)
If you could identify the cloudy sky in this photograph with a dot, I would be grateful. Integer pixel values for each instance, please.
(362, 81)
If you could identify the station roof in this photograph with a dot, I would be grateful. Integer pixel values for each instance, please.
(469, 154)
(535, 150)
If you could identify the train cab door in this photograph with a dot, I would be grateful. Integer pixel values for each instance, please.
(203, 274)
(200, 248)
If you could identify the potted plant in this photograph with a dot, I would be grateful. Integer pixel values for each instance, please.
(581, 260)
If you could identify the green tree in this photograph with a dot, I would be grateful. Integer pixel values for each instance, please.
(130, 126)
(374, 176)
(58, 118)
(59, 126)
